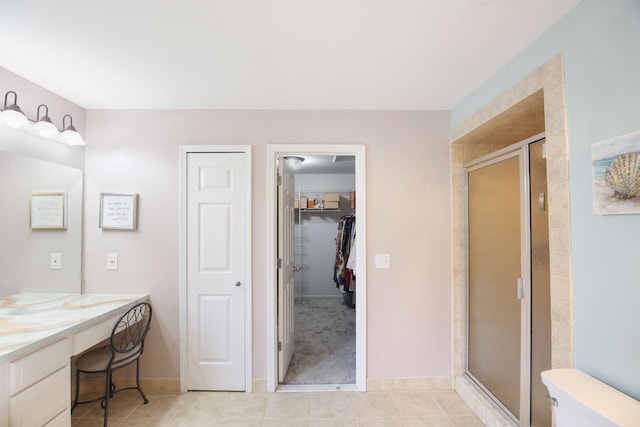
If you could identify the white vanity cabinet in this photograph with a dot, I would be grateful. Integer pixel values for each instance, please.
(39, 386)
(35, 376)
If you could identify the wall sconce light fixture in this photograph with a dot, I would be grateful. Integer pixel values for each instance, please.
(70, 134)
(13, 117)
(44, 126)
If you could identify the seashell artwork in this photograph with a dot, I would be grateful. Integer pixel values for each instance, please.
(623, 176)
(616, 175)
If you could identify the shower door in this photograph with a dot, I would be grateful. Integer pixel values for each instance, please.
(509, 321)
(494, 310)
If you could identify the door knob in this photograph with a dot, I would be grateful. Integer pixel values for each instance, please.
(238, 284)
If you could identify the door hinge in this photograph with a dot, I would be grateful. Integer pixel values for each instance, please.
(279, 179)
(279, 345)
(279, 263)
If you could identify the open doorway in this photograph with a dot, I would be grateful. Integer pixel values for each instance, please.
(328, 316)
(324, 231)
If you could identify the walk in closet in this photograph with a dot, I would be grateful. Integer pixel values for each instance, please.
(324, 310)
(322, 237)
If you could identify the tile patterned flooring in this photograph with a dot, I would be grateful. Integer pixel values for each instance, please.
(283, 409)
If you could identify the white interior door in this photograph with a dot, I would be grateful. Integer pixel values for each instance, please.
(286, 256)
(216, 226)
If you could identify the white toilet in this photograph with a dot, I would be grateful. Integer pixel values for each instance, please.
(582, 401)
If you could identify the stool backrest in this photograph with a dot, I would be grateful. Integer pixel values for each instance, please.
(131, 328)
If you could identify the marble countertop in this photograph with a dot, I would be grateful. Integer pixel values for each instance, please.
(32, 321)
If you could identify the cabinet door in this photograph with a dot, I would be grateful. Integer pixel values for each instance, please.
(41, 402)
(62, 420)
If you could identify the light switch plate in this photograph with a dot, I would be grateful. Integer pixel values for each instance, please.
(383, 261)
(112, 261)
(56, 261)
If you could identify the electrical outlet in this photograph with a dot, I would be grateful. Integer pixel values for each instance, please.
(56, 261)
(383, 261)
(112, 261)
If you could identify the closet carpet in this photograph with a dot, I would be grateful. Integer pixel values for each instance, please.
(325, 351)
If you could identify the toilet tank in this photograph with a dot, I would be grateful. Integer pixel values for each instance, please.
(581, 400)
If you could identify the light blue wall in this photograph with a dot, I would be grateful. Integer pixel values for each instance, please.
(600, 40)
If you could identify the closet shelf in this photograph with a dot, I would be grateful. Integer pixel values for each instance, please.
(317, 210)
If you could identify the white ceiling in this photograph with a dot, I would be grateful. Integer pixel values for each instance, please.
(267, 54)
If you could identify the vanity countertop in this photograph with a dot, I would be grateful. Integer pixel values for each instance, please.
(31, 321)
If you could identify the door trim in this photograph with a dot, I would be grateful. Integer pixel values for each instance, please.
(182, 257)
(273, 151)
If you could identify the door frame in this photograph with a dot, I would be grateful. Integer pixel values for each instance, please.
(182, 256)
(273, 151)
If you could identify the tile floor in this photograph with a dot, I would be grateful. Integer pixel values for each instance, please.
(308, 409)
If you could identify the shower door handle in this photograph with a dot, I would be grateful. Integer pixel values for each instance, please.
(520, 288)
(541, 202)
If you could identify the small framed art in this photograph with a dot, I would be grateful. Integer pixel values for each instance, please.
(118, 211)
(48, 211)
(616, 175)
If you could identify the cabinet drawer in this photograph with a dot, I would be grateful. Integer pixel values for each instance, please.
(62, 420)
(86, 339)
(42, 402)
(32, 368)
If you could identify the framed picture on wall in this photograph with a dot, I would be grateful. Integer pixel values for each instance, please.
(118, 211)
(48, 211)
(616, 175)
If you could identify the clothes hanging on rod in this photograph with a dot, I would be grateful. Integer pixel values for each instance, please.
(344, 268)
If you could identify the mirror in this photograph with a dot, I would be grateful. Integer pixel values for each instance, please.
(30, 164)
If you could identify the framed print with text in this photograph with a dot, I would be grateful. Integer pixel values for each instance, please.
(118, 211)
(48, 211)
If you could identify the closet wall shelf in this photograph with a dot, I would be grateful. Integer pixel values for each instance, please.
(317, 210)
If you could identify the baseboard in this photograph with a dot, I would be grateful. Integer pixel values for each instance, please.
(489, 413)
(172, 385)
(409, 383)
(259, 385)
(151, 385)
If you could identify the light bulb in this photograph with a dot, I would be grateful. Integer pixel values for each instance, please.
(45, 129)
(72, 137)
(12, 118)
